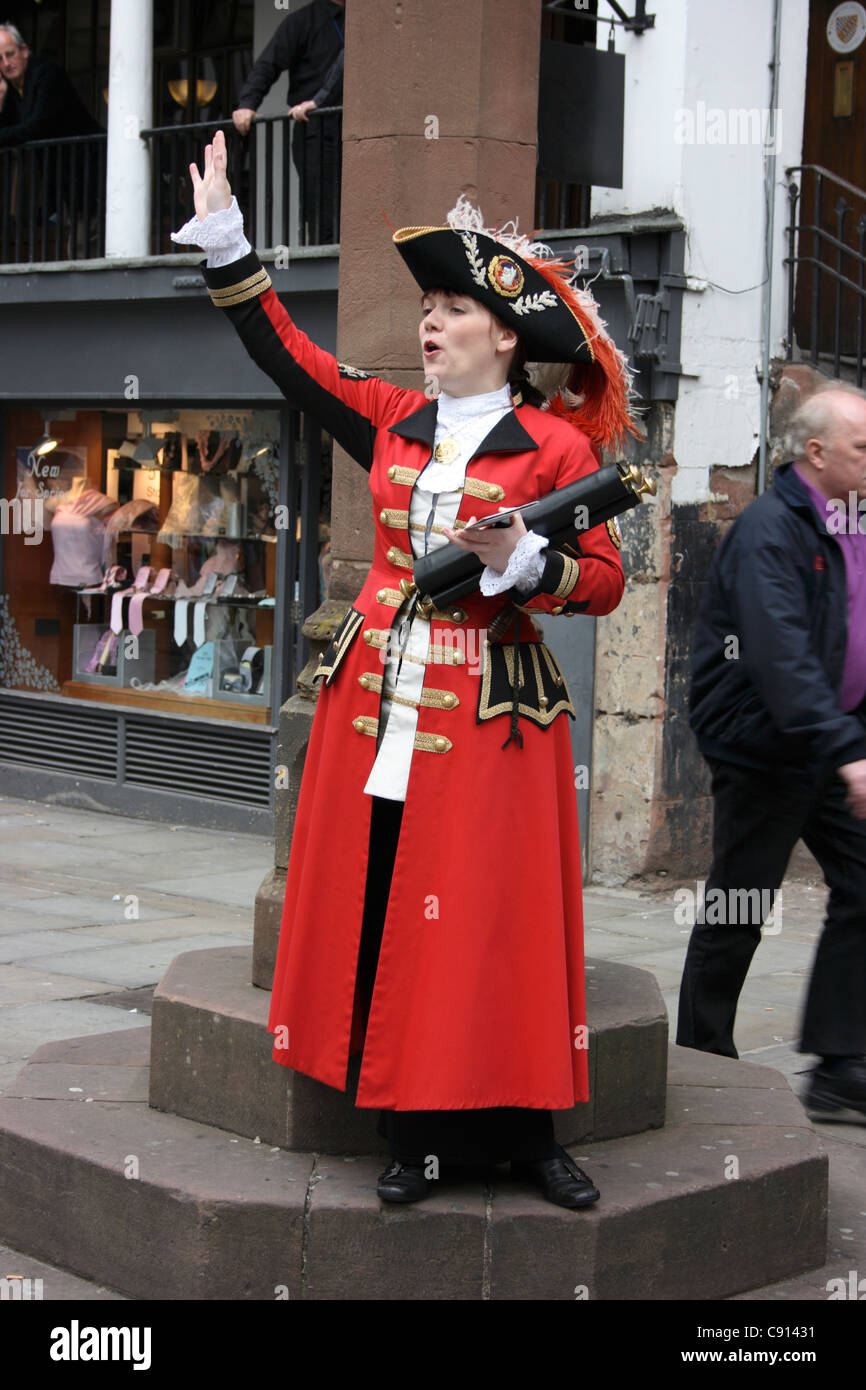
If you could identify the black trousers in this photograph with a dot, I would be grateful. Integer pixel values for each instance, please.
(758, 817)
(451, 1136)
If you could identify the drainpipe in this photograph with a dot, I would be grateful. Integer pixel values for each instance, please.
(769, 230)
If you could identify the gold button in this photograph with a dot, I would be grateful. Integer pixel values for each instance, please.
(383, 516)
(368, 635)
(407, 587)
(441, 745)
(358, 725)
(457, 615)
(495, 492)
(449, 700)
(364, 681)
(543, 701)
(391, 553)
(380, 597)
(558, 609)
(392, 472)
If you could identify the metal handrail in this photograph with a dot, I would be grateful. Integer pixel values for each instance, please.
(268, 204)
(827, 174)
(228, 123)
(52, 165)
(824, 244)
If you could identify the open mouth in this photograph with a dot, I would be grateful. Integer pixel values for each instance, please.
(430, 348)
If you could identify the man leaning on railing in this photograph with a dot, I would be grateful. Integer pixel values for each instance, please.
(309, 46)
(37, 99)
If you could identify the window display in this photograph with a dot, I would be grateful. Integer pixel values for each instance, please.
(156, 582)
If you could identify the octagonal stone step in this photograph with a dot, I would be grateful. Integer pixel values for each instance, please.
(155, 1206)
(211, 1060)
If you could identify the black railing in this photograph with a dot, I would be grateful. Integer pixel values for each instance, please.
(826, 253)
(260, 172)
(52, 200)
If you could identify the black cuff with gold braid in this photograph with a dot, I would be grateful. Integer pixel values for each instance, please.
(235, 283)
(558, 578)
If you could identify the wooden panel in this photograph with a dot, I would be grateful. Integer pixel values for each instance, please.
(837, 143)
(172, 704)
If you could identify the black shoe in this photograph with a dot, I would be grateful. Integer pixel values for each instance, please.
(831, 1093)
(403, 1182)
(560, 1180)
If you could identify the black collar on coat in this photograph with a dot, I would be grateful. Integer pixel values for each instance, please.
(507, 436)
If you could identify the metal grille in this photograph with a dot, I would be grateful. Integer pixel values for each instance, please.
(58, 736)
(222, 764)
(230, 763)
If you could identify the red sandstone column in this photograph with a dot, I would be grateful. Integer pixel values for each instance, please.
(441, 98)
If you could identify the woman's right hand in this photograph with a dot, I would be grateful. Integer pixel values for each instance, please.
(211, 192)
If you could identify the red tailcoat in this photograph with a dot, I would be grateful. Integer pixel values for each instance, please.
(479, 994)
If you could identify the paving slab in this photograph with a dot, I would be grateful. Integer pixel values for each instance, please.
(50, 1284)
(24, 1027)
(140, 963)
(21, 985)
(15, 947)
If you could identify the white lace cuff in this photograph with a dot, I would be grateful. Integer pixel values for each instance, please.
(221, 234)
(523, 571)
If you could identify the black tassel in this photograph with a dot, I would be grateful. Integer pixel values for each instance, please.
(515, 687)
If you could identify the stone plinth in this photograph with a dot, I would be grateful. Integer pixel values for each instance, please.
(211, 1060)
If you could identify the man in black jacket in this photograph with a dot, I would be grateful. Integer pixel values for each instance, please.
(307, 45)
(778, 705)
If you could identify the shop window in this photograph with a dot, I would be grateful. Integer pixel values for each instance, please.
(140, 558)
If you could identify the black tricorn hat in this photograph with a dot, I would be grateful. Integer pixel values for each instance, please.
(531, 294)
(509, 285)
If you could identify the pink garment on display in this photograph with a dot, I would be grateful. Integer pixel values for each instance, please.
(78, 535)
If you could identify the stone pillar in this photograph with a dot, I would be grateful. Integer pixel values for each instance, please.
(438, 100)
(130, 82)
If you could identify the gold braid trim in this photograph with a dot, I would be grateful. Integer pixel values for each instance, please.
(405, 476)
(400, 557)
(435, 699)
(488, 492)
(245, 289)
(425, 743)
(570, 576)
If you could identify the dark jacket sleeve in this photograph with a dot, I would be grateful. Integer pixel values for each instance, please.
(776, 647)
(349, 404)
(278, 56)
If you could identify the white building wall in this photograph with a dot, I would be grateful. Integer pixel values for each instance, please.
(691, 147)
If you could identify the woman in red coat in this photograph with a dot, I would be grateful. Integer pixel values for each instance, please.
(432, 917)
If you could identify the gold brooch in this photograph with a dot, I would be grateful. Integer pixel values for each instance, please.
(505, 276)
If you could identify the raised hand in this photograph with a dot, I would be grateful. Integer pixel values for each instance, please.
(211, 192)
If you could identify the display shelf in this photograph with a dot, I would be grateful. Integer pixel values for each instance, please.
(230, 711)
